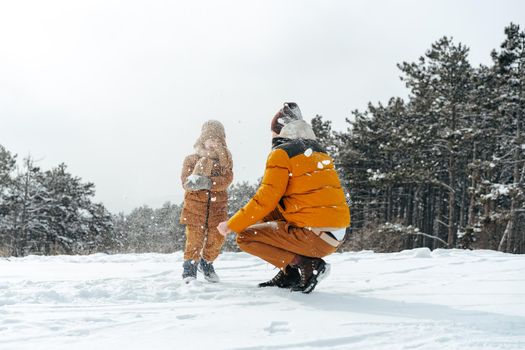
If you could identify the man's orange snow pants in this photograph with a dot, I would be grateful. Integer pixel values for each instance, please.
(278, 242)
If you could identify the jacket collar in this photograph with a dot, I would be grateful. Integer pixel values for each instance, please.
(277, 141)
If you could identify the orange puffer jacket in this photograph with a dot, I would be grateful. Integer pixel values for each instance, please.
(201, 205)
(301, 182)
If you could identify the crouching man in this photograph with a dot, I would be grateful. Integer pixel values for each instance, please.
(299, 213)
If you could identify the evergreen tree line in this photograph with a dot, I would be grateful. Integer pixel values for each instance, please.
(52, 212)
(446, 167)
(49, 212)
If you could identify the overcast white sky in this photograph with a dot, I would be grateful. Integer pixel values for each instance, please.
(118, 90)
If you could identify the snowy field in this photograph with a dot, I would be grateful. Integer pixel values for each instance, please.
(417, 299)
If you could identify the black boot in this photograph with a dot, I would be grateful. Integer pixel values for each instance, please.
(189, 270)
(312, 270)
(284, 279)
(209, 272)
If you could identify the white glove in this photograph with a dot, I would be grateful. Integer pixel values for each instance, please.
(197, 182)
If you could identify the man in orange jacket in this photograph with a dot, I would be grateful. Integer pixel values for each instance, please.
(299, 213)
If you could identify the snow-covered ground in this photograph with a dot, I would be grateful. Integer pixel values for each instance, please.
(417, 299)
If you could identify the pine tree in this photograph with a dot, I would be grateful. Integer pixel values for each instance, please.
(28, 222)
(7, 168)
(324, 134)
(509, 65)
(440, 85)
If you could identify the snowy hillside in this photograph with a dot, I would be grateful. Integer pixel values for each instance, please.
(446, 299)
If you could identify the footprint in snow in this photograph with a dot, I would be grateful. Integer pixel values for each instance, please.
(278, 327)
(78, 333)
(186, 317)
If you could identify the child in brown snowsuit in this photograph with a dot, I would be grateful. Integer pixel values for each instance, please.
(206, 175)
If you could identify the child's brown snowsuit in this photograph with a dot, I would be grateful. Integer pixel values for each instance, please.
(203, 210)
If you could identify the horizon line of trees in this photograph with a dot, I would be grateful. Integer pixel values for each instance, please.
(449, 161)
(52, 212)
(49, 212)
